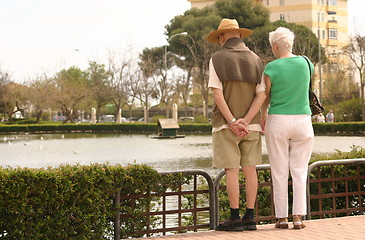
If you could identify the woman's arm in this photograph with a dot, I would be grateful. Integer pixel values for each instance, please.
(266, 103)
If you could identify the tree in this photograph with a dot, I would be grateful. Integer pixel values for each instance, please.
(160, 62)
(99, 82)
(122, 71)
(4, 81)
(356, 52)
(69, 88)
(305, 43)
(183, 88)
(12, 96)
(39, 95)
(194, 47)
(338, 85)
(248, 14)
(198, 23)
(13, 99)
(143, 84)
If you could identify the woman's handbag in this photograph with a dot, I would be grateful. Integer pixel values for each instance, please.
(315, 105)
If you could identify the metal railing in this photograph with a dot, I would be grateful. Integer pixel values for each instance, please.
(330, 184)
(336, 188)
(263, 185)
(172, 206)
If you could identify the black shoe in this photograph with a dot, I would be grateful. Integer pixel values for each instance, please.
(249, 224)
(230, 225)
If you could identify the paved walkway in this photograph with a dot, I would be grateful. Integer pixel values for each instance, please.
(349, 228)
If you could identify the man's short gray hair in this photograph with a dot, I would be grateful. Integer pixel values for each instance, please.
(283, 37)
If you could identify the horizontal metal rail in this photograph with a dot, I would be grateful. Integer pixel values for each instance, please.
(172, 207)
(338, 185)
(328, 176)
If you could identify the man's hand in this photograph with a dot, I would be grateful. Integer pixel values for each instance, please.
(239, 129)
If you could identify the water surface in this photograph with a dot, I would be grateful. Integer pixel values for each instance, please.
(191, 152)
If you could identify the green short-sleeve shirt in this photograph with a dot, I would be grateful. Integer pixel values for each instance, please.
(289, 85)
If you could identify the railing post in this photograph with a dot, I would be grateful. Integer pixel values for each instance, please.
(116, 203)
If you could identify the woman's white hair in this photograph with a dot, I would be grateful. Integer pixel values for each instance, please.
(283, 37)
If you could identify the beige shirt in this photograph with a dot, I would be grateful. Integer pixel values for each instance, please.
(214, 82)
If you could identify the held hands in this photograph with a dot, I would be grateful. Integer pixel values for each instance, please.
(239, 127)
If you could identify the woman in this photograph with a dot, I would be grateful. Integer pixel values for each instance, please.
(288, 126)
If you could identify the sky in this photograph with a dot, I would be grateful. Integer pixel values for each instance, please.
(43, 36)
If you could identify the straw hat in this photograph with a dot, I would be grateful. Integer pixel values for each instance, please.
(228, 25)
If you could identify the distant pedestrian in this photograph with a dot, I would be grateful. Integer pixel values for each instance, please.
(330, 117)
(320, 118)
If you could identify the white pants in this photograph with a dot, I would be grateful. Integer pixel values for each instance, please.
(289, 141)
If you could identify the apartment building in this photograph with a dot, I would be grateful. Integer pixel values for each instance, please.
(328, 19)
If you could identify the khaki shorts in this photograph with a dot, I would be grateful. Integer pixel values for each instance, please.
(230, 151)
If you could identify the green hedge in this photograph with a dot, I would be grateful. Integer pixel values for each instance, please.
(264, 197)
(73, 202)
(339, 128)
(352, 128)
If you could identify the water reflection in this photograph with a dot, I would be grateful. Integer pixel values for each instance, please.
(191, 152)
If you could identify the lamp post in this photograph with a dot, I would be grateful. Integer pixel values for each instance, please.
(130, 111)
(165, 63)
(168, 40)
(319, 52)
(64, 54)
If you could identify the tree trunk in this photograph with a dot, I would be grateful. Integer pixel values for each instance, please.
(39, 115)
(362, 101)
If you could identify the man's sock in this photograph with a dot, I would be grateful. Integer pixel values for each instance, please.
(235, 213)
(248, 213)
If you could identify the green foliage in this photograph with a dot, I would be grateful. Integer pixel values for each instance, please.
(247, 13)
(265, 205)
(157, 117)
(344, 128)
(306, 42)
(201, 119)
(76, 202)
(356, 152)
(339, 128)
(195, 128)
(349, 110)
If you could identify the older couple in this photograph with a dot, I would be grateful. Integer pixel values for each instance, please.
(241, 87)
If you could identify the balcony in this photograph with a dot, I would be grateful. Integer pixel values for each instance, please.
(332, 42)
(332, 24)
(331, 10)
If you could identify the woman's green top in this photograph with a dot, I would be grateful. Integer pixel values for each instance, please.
(289, 85)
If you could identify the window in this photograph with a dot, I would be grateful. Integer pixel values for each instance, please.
(323, 34)
(332, 2)
(282, 17)
(318, 34)
(322, 17)
(332, 33)
(268, 2)
(333, 67)
(282, 3)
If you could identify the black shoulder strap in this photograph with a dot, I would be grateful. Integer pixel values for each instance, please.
(310, 72)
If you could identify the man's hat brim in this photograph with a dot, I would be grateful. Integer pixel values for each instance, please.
(213, 37)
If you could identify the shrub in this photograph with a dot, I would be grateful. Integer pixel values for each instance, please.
(75, 202)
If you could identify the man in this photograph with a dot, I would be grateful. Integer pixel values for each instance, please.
(330, 117)
(234, 78)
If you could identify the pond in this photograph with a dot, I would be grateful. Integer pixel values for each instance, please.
(191, 152)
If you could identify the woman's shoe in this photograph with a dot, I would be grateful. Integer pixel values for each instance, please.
(298, 223)
(282, 223)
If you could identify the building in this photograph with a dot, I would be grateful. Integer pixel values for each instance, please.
(328, 19)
